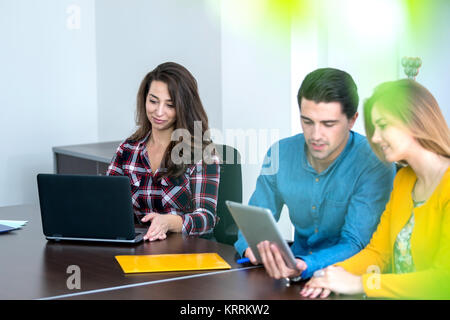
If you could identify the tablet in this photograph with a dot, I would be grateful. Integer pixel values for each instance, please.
(257, 225)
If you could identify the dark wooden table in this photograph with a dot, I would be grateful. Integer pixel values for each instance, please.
(33, 268)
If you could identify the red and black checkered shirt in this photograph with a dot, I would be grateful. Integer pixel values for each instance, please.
(193, 195)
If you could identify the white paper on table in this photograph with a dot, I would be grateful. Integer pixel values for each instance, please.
(13, 223)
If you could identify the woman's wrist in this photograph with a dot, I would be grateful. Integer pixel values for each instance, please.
(175, 223)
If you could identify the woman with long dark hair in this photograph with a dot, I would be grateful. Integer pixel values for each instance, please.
(174, 180)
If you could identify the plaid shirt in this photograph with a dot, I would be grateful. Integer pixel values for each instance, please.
(192, 196)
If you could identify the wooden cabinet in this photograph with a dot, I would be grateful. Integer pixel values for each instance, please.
(92, 159)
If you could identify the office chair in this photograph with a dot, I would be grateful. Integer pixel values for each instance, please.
(230, 188)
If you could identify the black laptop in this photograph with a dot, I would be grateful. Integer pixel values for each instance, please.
(88, 208)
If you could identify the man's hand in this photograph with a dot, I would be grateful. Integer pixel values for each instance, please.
(274, 262)
(249, 254)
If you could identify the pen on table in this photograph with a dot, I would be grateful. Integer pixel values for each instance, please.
(243, 260)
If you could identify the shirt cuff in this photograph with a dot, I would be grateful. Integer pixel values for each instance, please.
(240, 245)
(311, 266)
(190, 228)
(187, 224)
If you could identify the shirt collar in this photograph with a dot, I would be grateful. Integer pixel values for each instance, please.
(142, 150)
(142, 147)
(143, 141)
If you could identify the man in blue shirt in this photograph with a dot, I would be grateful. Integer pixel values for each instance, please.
(333, 185)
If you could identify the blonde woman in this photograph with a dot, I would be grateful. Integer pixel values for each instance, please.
(409, 253)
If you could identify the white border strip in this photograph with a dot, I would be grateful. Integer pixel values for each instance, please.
(63, 296)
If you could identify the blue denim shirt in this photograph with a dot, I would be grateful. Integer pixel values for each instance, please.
(334, 212)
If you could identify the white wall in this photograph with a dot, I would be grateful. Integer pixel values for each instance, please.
(134, 36)
(430, 40)
(256, 87)
(368, 39)
(367, 53)
(70, 71)
(47, 89)
(337, 37)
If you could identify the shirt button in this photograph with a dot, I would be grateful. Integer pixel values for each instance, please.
(317, 179)
(316, 230)
(310, 252)
(314, 207)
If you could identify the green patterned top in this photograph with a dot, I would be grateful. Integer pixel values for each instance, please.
(403, 261)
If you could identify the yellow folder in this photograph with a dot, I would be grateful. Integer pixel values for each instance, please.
(171, 262)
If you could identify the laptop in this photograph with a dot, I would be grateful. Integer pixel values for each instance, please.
(87, 208)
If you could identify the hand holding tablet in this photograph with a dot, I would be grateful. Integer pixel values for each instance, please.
(266, 245)
(275, 265)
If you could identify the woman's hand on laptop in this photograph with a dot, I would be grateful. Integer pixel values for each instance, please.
(161, 224)
(274, 262)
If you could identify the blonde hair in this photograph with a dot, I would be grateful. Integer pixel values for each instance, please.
(412, 104)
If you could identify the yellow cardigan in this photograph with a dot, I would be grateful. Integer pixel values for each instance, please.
(430, 245)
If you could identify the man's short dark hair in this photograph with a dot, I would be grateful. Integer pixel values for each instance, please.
(330, 85)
